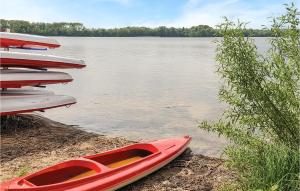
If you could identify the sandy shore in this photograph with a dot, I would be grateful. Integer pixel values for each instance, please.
(32, 142)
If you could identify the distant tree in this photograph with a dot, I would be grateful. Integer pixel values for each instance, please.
(78, 29)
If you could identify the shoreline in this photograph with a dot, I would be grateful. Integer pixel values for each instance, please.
(33, 142)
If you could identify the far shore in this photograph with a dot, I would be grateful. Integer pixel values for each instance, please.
(32, 142)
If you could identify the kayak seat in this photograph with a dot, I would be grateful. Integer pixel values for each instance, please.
(124, 162)
(83, 174)
(121, 158)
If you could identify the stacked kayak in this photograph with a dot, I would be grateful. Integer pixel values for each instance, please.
(17, 40)
(105, 171)
(24, 102)
(17, 59)
(21, 70)
(15, 78)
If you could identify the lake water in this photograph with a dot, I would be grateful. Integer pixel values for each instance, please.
(143, 88)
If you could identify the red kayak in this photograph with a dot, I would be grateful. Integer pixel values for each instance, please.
(15, 78)
(30, 60)
(17, 40)
(105, 171)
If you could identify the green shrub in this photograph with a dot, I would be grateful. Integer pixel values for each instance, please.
(263, 97)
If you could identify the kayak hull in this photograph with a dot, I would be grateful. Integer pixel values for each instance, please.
(15, 78)
(30, 60)
(22, 102)
(19, 40)
(19, 84)
(110, 170)
(24, 91)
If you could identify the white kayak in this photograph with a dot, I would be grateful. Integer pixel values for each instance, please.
(16, 78)
(30, 60)
(13, 104)
(19, 40)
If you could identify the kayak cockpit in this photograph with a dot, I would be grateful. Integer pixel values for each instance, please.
(119, 159)
(70, 170)
(89, 166)
(124, 156)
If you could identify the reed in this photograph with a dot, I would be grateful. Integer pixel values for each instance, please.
(263, 97)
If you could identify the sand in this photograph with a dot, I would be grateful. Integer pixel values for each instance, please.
(32, 142)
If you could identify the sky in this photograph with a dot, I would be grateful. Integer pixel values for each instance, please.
(149, 13)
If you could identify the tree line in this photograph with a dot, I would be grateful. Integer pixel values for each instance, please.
(78, 29)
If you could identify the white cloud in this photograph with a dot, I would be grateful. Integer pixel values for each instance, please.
(194, 13)
(122, 2)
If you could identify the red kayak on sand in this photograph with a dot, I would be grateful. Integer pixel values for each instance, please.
(18, 40)
(29, 60)
(105, 171)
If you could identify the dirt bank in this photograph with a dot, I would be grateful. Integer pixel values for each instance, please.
(31, 142)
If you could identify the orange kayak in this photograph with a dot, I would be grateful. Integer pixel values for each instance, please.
(105, 171)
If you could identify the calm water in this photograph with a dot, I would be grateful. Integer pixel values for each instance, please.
(143, 88)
